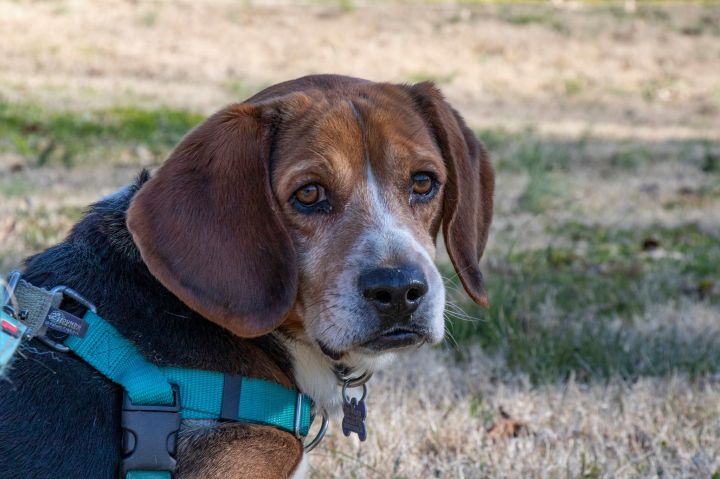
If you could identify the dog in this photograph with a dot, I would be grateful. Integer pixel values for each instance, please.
(290, 237)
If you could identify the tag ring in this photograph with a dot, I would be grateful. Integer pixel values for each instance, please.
(360, 380)
(320, 435)
(347, 384)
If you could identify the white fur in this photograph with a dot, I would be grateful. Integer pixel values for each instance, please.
(342, 318)
(302, 469)
(398, 237)
(315, 372)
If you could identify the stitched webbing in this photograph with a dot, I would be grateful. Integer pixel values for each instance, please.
(148, 475)
(261, 401)
(201, 392)
(37, 303)
(118, 359)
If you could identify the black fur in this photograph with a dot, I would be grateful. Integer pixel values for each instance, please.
(59, 418)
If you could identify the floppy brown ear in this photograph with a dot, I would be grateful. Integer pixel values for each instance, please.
(207, 228)
(468, 202)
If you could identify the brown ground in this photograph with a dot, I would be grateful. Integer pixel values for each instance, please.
(565, 71)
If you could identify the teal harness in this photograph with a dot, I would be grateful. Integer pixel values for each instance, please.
(155, 398)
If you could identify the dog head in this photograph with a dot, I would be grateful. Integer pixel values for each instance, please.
(315, 204)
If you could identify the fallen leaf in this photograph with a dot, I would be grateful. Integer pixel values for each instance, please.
(506, 427)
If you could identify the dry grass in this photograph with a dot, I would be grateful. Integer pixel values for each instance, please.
(567, 70)
(605, 130)
(430, 416)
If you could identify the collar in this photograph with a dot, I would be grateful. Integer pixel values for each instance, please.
(155, 398)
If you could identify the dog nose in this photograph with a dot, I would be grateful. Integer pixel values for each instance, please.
(394, 291)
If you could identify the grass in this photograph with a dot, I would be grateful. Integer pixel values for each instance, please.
(571, 308)
(581, 305)
(629, 158)
(541, 17)
(711, 160)
(43, 226)
(241, 90)
(576, 306)
(66, 138)
(437, 78)
(654, 427)
(521, 151)
(15, 187)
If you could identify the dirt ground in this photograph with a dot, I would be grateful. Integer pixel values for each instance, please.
(567, 70)
(620, 109)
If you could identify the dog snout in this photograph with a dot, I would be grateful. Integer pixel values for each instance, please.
(394, 292)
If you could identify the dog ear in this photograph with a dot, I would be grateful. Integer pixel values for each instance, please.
(468, 201)
(207, 226)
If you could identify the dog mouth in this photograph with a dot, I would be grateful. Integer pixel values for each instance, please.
(389, 339)
(395, 338)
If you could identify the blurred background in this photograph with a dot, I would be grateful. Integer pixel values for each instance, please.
(600, 354)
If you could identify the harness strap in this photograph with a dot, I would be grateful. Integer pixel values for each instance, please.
(148, 475)
(189, 393)
(259, 402)
(202, 393)
(118, 360)
(36, 302)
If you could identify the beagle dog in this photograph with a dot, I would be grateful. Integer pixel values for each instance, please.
(289, 237)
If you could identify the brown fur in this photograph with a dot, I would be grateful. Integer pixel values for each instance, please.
(235, 451)
(467, 212)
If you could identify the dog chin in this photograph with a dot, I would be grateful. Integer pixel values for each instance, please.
(377, 348)
(360, 361)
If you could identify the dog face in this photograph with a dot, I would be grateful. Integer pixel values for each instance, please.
(360, 185)
(316, 204)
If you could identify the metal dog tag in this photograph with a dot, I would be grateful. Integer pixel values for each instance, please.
(354, 414)
(354, 411)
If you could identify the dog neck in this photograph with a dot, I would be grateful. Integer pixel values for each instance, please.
(313, 372)
(320, 377)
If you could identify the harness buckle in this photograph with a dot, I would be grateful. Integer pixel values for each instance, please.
(149, 435)
(65, 292)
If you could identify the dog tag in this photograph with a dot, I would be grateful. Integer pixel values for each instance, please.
(354, 414)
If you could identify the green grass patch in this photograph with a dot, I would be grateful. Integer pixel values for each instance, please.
(542, 161)
(435, 77)
(630, 158)
(43, 226)
(529, 151)
(11, 186)
(242, 90)
(574, 86)
(535, 16)
(526, 150)
(710, 160)
(574, 307)
(60, 137)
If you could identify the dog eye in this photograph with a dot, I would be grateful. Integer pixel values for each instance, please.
(310, 194)
(310, 198)
(424, 187)
(422, 183)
